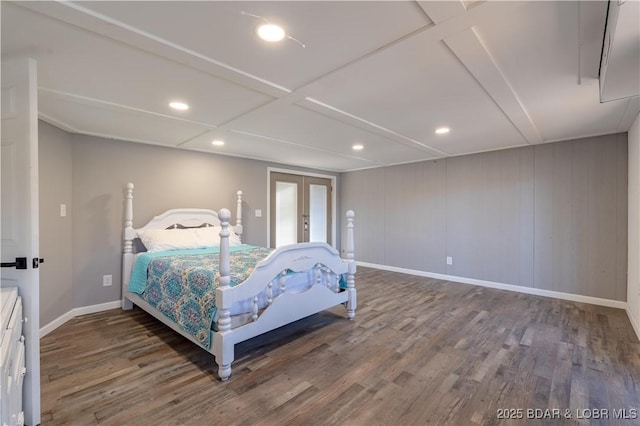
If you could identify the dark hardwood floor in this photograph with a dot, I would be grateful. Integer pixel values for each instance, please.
(430, 352)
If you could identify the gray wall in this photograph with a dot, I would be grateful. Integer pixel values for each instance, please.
(55, 180)
(633, 257)
(164, 178)
(89, 174)
(550, 216)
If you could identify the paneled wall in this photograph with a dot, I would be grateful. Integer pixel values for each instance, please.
(633, 288)
(550, 216)
(490, 216)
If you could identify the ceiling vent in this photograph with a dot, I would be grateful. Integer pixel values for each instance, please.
(620, 61)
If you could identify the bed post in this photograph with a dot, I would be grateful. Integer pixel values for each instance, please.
(352, 304)
(238, 228)
(222, 344)
(127, 256)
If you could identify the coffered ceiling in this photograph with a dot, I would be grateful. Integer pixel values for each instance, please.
(381, 74)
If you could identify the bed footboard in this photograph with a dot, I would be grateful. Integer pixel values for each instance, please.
(325, 290)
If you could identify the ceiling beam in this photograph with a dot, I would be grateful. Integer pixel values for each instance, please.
(355, 121)
(115, 106)
(90, 20)
(439, 11)
(473, 54)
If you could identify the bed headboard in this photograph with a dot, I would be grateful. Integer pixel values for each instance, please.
(188, 218)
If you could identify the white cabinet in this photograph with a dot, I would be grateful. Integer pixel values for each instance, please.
(12, 357)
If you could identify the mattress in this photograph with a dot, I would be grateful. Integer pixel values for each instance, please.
(181, 285)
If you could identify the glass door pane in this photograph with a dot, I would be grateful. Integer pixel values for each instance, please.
(318, 213)
(317, 209)
(300, 209)
(286, 213)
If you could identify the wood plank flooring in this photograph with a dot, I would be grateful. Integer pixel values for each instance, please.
(434, 352)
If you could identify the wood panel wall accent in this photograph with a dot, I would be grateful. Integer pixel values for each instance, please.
(551, 216)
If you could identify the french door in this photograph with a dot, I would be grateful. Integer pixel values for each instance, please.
(300, 209)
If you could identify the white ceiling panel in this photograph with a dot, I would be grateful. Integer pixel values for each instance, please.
(577, 117)
(113, 122)
(279, 151)
(306, 128)
(415, 87)
(384, 74)
(334, 33)
(562, 101)
(80, 62)
(440, 11)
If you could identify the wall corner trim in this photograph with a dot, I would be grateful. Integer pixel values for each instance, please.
(76, 312)
(500, 286)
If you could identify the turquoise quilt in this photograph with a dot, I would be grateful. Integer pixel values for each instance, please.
(181, 283)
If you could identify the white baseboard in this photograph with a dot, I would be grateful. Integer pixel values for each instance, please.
(76, 312)
(500, 286)
(56, 323)
(634, 322)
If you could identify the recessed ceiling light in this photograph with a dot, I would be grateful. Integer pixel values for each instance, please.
(217, 142)
(358, 147)
(270, 32)
(179, 105)
(442, 130)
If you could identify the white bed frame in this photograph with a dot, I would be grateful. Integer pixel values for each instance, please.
(283, 309)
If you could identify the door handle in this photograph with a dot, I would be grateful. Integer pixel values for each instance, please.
(20, 263)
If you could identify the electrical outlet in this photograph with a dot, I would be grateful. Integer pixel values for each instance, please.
(63, 210)
(449, 260)
(258, 213)
(107, 280)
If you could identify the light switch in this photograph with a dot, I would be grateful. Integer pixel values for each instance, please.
(258, 213)
(63, 210)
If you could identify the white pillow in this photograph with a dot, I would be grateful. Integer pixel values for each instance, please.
(208, 236)
(168, 239)
(156, 240)
(211, 236)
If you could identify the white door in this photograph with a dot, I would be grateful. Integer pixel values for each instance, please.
(19, 211)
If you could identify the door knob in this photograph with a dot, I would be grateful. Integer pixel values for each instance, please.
(20, 263)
